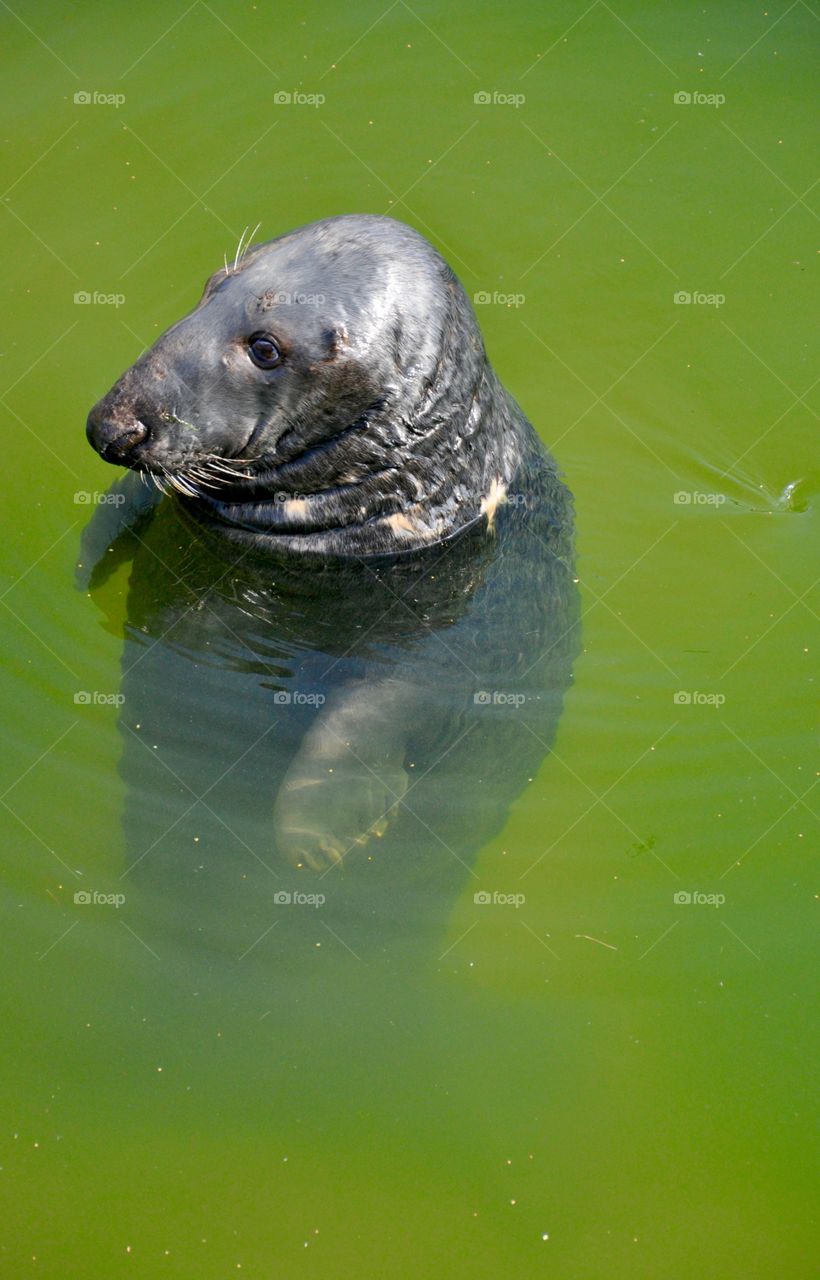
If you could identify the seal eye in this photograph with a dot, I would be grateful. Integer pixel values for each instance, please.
(263, 351)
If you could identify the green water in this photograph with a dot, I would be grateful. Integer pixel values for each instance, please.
(602, 1081)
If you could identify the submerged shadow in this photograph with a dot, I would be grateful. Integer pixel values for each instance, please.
(328, 743)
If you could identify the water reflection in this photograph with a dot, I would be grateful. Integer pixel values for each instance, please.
(337, 738)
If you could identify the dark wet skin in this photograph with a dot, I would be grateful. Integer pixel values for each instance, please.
(322, 666)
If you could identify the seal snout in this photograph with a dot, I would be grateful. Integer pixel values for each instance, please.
(115, 435)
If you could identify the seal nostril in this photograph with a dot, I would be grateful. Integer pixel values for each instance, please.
(133, 436)
(112, 440)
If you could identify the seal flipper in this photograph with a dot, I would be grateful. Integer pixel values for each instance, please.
(347, 779)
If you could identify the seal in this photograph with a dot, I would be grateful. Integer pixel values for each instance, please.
(381, 661)
(330, 394)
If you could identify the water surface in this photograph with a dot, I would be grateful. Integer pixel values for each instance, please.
(599, 1080)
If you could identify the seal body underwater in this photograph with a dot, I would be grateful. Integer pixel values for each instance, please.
(351, 627)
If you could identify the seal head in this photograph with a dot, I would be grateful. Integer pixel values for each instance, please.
(330, 393)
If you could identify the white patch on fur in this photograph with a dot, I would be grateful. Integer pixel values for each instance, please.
(493, 500)
(408, 527)
(399, 523)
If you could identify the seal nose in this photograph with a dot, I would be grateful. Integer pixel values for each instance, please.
(114, 440)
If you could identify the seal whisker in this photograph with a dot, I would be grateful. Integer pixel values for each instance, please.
(215, 468)
(200, 471)
(231, 464)
(238, 254)
(188, 485)
(248, 241)
(182, 485)
(229, 472)
(201, 476)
